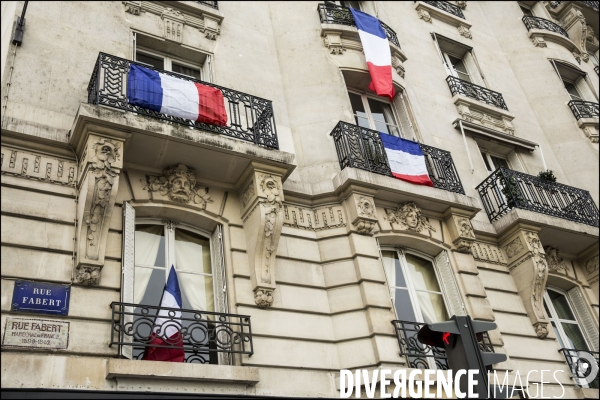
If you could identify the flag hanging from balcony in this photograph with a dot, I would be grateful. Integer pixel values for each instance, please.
(167, 326)
(406, 159)
(169, 95)
(377, 52)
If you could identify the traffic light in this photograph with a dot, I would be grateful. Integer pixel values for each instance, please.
(460, 338)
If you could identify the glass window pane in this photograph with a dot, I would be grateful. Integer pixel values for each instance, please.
(557, 334)
(499, 162)
(192, 252)
(357, 105)
(351, 4)
(364, 122)
(404, 307)
(422, 274)
(150, 245)
(572, 91)
(574, 337)
(487, 163)
(195, 73)
(393, 271)
(197, 291)
(561, 305)
(550, 316)
(149, 286)
(156, 62)
(380, 111)
(432, 307)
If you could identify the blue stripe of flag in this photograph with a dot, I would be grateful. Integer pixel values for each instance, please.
(173, 286)
(368, 23)
(144, 88)
(396, 143)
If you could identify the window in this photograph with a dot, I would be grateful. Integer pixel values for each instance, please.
(373, 114)
(413, 282)
(347, 4)
(459, 60)
(456, 67)
(526, 11)
(574, 81)
(167, 63)
(493, 162)
(593, 58)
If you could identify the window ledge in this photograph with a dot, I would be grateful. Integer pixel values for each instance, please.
(157, 370)
(539, 37)
(510, 141)
(484, 115)
(426, 11)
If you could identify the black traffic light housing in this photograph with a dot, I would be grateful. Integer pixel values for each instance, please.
(460, 338)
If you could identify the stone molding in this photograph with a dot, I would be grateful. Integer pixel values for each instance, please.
(205, 19)
(591, 265)
(539, 37)
(484, 115)
(362, 213)
(408, 216)
(461, 231)
(313, 219)
(589, 126)
(488, 253)
(529, 269)
(426, 12)
(555, 263)
(35, 166)
(178, 184)
(262, 213)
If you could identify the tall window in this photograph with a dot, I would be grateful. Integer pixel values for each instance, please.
(374, 114)
(167, 63)
(574, 81)
(413, 282)
(456, 67)
(565, 325)
(493, 162)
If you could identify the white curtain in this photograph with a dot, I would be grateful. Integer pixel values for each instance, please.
(192, 254)
(147, 245)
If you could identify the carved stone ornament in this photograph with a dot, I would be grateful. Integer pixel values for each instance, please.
(541, 272)
(461, 4)
(541, 329)
(263, 298)
(133, 7)
(465, 229)
(364, 227)
(173, 23)
(333, 41)
(591, 265)
(555, 263)
(313, 219)
(45, 168)
(539, 41)
(88, 275)
(408, 216)
(590, 130)
(398, 65)
(463, 245)
(470, 113)
(424, 15)
(488, 253)
(464, 31)
(514, 248)
(178, 182)
(365, 207)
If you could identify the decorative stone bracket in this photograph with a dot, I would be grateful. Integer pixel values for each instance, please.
(362, 213)
(261, 196)
(478, 113)
(589, 126)
(427, 12)
(461, 230)
(529, 269)
(98, 182)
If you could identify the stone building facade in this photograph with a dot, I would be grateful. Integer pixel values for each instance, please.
(299, 252)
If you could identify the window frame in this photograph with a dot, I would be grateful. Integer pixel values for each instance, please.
(168, 61)
(453, 71)
(553, 317)
(486, 157)
(364, 96)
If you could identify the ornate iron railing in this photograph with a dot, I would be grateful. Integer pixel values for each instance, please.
(250, 118)
(333, 14)
(448, 7)
(580, 367)
(422, 356)
(541, 23)
(359, 147)
(213, 4)
(506, 189)
(458, 86)
(203, 334)
(592, 4)
(584, 109)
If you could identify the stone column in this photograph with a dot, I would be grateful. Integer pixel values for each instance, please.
(98, 181)
(261, 196)
(529, 269)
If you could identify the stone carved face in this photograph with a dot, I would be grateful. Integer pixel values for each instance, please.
(105, 153)
(412, 219)
(181, 183)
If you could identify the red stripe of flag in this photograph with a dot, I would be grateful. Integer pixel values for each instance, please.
(418, 179)
(381, 80)
(211, 105)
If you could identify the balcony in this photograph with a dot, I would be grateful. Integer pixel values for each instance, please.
(581, 368)
(506, 189)
(421, 356)
(359, 147)
(541, 23)
(592, 4)
(211, 4)
(479, 93)
(204, 335)
(448, 7)
(584, 109)
(250, 118)
(334, 14)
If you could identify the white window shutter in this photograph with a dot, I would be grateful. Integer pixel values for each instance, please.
(220, 282)
(405, 122)
(128, 263)
(584, 89)
(448, 284)
(585, 319)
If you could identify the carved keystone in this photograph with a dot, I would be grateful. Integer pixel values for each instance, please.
(362, 213)
(529, 269)
(261, 197)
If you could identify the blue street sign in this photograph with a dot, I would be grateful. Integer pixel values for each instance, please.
(41, 298)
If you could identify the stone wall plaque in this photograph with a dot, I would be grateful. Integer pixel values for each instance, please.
(36, 333)
(41, 298)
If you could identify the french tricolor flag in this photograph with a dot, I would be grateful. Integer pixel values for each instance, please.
(377, 52)
(167, 326)
(169, 95)
(406, 159)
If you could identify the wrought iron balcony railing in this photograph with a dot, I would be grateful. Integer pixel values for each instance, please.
(333, 14)
(448, 7)
(250, 118)
(592, 4)
(584, 109)
(213, 4)
(458, 86)
(541, 23)
(580, 367)
(359, 147)
(422, 356)
(203, 334)
(506, 189)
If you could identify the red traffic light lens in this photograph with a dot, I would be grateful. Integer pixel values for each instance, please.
(445, 337)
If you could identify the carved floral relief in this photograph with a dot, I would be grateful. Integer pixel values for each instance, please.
(555, 262)
(408, 216)
(179, 184)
